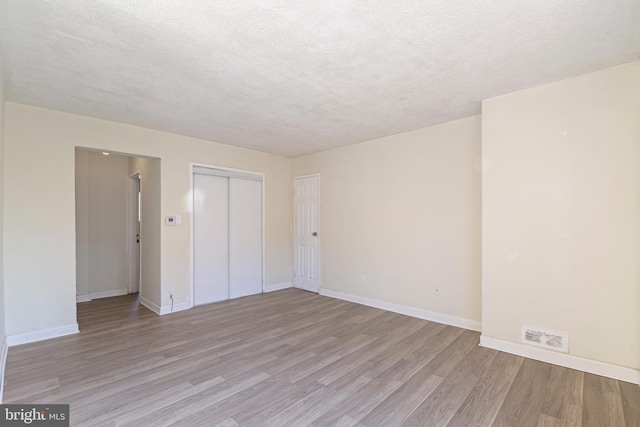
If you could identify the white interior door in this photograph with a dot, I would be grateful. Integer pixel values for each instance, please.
(306, 229)
(211, 238)
(245, 237)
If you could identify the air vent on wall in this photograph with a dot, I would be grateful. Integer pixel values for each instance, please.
(545, 338)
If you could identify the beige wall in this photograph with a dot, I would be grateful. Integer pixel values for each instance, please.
(102, 187)
(40, 214)
(405, 212)
(2, 121)
(82, 222)
(561, 213)
(559, 216)
(151, 228)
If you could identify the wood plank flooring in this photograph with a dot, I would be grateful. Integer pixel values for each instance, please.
(295, 358)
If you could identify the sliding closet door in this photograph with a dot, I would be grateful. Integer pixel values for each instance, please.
(211, 238)
(245, 237)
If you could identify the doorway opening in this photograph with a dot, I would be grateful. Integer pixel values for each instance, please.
(117, 211)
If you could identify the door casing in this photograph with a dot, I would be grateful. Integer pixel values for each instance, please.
(134, 233)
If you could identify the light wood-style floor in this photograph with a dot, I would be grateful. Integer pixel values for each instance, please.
(296, 358)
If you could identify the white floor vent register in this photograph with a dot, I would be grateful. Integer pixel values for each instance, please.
(545, 338)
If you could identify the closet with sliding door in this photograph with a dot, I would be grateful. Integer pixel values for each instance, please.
(227, 234)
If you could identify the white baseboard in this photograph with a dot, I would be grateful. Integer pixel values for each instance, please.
(102, 294)
(83, 298)
(3, 363)
(44, 334)
(562, 359)
(165, 309)
(108, 294)
(150, 305)
(278, 286)
(408, 311)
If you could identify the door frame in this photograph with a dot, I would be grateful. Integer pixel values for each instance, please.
(131, 231)
(293, 278)
(191, 221)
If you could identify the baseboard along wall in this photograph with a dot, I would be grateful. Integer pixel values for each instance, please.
(43, 334)
(561, 359)
(165, 309)
(406, 310)
(616, 372)
(278, 286)
(102, 294)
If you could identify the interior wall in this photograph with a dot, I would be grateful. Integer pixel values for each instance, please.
(82, 223)
(404, 211)
(151, 225)
(2, 125)
(101, 223)
(40, 229)
(561, 213)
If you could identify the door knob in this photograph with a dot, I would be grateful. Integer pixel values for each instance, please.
(314, 233)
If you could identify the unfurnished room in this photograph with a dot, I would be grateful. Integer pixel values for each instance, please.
(320, 213)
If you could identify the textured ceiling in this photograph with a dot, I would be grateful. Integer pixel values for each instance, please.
(295, 77)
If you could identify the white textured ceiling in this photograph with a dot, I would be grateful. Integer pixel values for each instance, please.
(295, 77)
